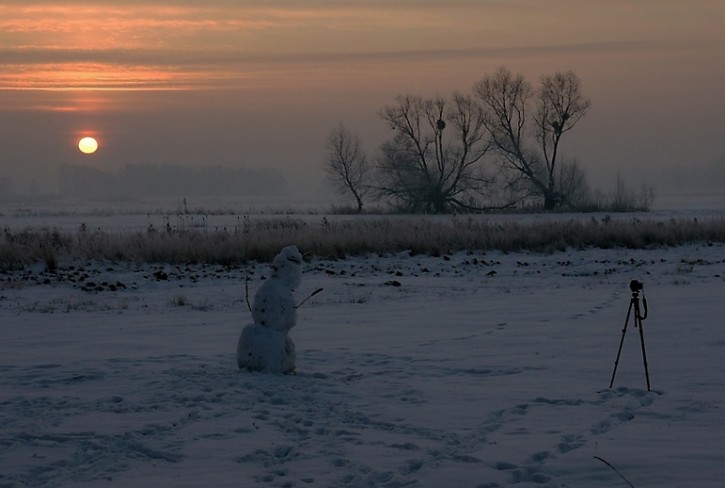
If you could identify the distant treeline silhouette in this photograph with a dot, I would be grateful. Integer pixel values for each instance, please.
(170, 180)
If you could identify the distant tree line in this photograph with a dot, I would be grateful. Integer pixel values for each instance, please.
(6, 186)
(169, 180)
(498, 147)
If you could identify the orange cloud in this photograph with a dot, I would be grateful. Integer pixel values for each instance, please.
(92, 47)
(107, 77)
(83, 45)
(102, 27)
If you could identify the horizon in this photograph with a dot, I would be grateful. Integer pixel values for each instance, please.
(261, 85)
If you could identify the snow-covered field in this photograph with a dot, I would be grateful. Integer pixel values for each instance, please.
(465, 370)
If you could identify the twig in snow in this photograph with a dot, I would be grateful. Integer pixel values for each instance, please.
(246, 290)
(310, 296)
(615, 470)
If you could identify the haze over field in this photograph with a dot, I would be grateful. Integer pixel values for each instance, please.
(260, 84)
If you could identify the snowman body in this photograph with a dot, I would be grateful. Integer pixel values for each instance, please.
(263, 348)
(274, 306)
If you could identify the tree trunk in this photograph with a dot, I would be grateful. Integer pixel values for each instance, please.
(552, 199)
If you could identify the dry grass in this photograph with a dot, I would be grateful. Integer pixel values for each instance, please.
(261, 239)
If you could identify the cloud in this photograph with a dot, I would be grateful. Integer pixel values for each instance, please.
(195, 69)
(202, 45)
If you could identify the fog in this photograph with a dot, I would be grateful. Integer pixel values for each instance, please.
(623, 136)
(169, 181)
(211, 94)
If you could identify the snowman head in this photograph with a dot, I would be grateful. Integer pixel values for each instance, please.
(287, 267)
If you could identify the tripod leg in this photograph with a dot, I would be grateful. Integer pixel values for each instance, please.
(621, 343)
(638, 318)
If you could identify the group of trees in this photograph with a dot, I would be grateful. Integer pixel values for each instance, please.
(497, 147)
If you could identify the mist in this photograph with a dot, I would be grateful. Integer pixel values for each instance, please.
(218, 96)
(140, 180)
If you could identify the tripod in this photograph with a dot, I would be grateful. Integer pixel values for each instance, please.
(636, 288)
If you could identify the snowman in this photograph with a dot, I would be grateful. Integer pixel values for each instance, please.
(265, 344)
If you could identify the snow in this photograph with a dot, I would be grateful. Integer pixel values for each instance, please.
(411, 371)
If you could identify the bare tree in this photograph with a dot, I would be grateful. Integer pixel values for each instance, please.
(625, 200)
(527, 126)
(347, 164)
(433, 162)
(572, 182)
(560, 106)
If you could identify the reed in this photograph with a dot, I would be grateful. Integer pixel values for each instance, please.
(260, 239)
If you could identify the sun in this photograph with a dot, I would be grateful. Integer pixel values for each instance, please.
(88, 145)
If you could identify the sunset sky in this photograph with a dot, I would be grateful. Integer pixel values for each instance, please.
(261, 83)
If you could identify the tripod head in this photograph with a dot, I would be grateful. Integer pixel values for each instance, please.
(636, 287)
